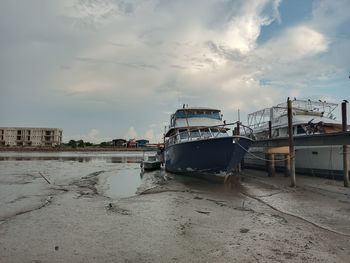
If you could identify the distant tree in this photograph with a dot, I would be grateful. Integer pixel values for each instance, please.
(88, 144)
(103, 144)
(80, 143)
(72, 143)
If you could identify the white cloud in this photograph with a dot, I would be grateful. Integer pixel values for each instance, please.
(149, 135)
(145, 48)
(244, 29)
(125, 62)
(294, 44)
(131, 133)
(94, 136)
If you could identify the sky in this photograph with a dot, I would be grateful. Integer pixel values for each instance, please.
(106, 69)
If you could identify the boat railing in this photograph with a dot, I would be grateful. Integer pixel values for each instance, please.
(207, 132)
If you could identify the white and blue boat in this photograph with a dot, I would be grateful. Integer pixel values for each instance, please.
(197, 143)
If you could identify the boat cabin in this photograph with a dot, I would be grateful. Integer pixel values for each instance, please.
(309, 117)
(194, 117)
(189, 124)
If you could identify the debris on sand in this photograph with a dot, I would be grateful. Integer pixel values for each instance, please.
(115, 209)
(203, 212)
(244, 230)
(45, 178)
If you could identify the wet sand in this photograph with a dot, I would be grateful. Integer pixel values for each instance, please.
(170, 219)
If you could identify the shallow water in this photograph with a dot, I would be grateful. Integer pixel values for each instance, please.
(119, 173)
(109, 157)
(123, 183)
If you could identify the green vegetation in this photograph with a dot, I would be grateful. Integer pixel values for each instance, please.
(104, 144)
(79, 143)
(72, 143)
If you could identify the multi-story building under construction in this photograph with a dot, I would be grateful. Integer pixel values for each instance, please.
(19, 136)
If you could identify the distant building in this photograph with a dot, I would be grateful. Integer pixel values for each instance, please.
(131, 143)
(18, 136)
(120, 143)
(141, 143)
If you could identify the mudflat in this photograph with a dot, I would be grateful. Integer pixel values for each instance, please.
(78, 217)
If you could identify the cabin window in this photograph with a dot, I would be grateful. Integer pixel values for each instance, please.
(205, 133)
(300, 130)
(219, 132)
(195, 134)
(183, 134)
(214, 132)
(276, 133)
(198, 114)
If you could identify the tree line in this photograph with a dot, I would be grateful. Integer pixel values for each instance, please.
(82, 144)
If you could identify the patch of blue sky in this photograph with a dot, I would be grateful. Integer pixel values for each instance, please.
(265, 82)
(292, 12)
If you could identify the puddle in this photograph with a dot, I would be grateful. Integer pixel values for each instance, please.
(123, 183)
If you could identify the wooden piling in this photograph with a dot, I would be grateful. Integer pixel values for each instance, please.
(345, 147)
(291, 143)
(271, 157)
(239, 169)
(286, 165)
(271, 165)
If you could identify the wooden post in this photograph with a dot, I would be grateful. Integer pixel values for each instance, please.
(291, 144)
(345, 147)
(271, 162)
(238, 133)
(271, 165)
(286, 165)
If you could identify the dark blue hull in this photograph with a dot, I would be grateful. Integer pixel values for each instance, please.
(215, 156)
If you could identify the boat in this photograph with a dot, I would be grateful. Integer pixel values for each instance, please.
(310, 117)
(150, 162)
(197, 143)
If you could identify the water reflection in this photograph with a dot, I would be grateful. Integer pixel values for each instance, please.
(122, 177)
(81, 159)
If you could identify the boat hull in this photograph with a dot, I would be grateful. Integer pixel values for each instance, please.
(321, 161)
(206, 157)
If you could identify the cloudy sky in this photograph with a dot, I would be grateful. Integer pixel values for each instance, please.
(103, 69)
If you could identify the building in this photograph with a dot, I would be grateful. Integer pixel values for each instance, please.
(120, 143)
(131, 143)
(141, 143)
(19, 136)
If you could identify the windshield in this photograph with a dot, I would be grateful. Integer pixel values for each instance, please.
(198, 114)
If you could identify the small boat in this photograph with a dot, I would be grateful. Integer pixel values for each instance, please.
(197, 143)
(151, 163)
